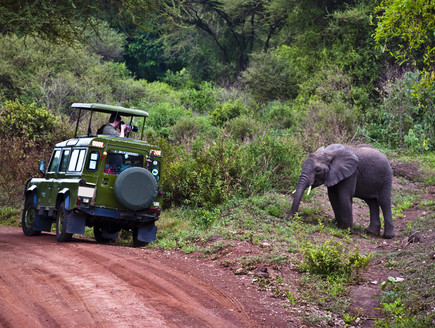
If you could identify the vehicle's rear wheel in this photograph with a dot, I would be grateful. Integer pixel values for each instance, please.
(98, 234)
(28, 219)
(61, 222)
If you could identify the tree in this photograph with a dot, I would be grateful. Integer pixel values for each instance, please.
(406, 28)
(233, 28)
(65, 20)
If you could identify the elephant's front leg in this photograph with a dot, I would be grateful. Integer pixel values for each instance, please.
(341, 202)
(375, 223)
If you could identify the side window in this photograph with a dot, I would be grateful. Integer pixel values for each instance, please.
(64, 161)
(93, 160)
(77, 160)
(54, 161)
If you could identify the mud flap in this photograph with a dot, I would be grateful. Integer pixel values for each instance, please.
(147, 233)
(75, 223)
(42, 222)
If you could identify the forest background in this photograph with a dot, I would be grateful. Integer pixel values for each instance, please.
(238, 92)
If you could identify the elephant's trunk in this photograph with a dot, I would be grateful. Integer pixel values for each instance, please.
(302, 185)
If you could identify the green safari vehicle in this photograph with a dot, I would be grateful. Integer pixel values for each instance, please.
(105, 182)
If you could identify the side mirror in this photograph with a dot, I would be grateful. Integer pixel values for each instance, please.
(42, 167)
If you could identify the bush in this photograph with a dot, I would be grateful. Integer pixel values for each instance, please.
(327, 123)
(406, 117)
(270, 162)
(279, 115)
(332, 258)
(187, 128)
(229, 110)
(270, 77)
(27, 121)
(56, 76)
(202, 100)
(19, 161)
(208, 174)
(163, 116)
(244, 127)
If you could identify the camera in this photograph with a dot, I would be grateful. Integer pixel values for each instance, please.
(133, 128)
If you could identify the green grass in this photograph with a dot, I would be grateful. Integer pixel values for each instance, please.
(10, 216)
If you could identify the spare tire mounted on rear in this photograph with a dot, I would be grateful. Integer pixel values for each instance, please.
(136, 188)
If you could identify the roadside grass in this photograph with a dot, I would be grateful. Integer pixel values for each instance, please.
(10, 216)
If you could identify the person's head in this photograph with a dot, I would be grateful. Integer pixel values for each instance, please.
(115, 117)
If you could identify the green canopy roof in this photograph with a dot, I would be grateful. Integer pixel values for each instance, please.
(111, 109)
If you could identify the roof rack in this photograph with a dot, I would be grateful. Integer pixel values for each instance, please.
(95, 107)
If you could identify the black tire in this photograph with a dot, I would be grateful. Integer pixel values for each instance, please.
(98, 234)
(61, 221)
(28, 219)
(135, 188)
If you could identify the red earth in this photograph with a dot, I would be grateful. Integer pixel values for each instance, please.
(44, 283)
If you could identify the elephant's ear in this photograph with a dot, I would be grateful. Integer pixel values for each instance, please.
(343, 164)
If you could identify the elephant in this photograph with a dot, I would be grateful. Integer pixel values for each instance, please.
(350, 171)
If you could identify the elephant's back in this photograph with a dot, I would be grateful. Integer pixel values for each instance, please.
(374, 170)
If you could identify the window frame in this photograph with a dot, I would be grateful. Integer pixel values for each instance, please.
(77, 160)
(52, 169)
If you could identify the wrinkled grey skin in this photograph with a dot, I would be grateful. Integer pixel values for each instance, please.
(347, 171)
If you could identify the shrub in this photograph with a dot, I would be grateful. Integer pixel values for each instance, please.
(30, 122)
(204, 176)
(270, 77)
(406, 116)
(56, 76)
(228, 110)
(244, 127)
(209, 174)
(188, 128)
(326, 123)
(270, 162)
(202, 100)
(19, 159)
(279, 115)
(163, 116)
(332, 258)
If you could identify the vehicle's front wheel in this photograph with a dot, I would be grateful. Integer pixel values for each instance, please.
(61, 221)
(28, 219)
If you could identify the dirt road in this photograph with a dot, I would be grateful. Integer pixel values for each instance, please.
(44, 283)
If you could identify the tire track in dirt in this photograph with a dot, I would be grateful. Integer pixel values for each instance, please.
(81, 284)
(167, 287)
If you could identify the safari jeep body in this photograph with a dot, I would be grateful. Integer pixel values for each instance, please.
(106, 182)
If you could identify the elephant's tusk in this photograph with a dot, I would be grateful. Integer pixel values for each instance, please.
(293, 192)
(309, 190)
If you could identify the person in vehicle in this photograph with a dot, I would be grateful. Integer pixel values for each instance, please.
(115, 122)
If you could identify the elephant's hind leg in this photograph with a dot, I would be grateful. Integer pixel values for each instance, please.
(374, 227)
(388, 219)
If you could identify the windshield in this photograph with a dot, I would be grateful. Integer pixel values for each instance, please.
(117, 161)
